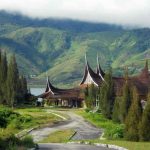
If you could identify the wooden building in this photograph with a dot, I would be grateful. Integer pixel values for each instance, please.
(62, 97)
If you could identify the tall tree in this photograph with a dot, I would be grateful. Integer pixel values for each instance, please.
(116, 110)
(1, 96)
(126, 99)
(4, 76)
(133, 118)
(22, 93)
(107, 95)
(90, 95)
(144, 130)
(12, 81)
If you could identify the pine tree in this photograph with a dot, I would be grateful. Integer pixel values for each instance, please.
(22, 89)
(133, 118)
(107, 95)
(126, 99)
(144, 130)
(90, 95)
(12, 82)
(1, 86)
(4, 77)
(116, 110)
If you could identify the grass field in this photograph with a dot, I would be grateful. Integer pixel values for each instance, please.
(61, 136)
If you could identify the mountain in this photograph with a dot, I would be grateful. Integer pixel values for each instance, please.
(58, 46)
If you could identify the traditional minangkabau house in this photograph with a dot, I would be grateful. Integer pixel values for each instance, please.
(74, 98)
(62, 97)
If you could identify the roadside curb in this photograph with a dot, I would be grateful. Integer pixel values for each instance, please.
(25, 132)
(101, 145)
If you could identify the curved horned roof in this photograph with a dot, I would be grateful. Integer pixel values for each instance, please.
(90, 76)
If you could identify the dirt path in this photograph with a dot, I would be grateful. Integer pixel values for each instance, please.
(84, 130)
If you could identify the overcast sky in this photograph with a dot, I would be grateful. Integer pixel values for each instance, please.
(122, 12)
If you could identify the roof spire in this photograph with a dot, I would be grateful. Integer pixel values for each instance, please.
(146, 64)
(99, 69)
(97, 60)
(47, 75)
(86, 62)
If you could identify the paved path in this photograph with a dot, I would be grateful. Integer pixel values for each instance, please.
(55, 146)
(84, 130)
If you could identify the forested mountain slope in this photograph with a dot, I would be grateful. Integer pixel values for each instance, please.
(58, 47)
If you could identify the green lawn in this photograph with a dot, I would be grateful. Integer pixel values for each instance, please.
(61, 136)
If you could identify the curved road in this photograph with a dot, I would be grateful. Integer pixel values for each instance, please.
(84, 130)
(57, 146)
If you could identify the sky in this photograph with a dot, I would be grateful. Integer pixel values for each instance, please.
(120, 12)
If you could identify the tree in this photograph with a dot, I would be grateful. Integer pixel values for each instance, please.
(107, 95)
(1, 96)
(133, 118)
(4, 77)
(12, 82)
(22, 93)
(90, 95)
(116, 110)
(126, 99)
(144, 130)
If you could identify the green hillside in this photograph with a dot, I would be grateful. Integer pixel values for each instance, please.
(60, 52)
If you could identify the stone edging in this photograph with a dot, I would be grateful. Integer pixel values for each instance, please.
(25, 132)
(99, 144)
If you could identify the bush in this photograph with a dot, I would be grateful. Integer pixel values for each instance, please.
(87, 110)
(3, 122)
(28, 141)
(115, 132)
(6, 115)
(14, 143)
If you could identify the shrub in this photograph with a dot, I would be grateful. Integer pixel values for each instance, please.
(87, 110)
(28, 141)
(13, 143)
(115, 132)
(3, 122)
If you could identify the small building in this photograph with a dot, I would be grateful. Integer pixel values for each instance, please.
(62, 97)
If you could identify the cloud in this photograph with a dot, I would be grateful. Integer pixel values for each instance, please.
(122, 12)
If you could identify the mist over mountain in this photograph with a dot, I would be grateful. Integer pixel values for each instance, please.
(58, 46)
